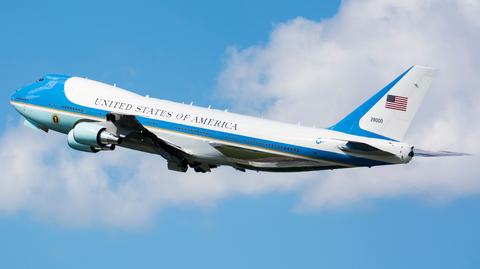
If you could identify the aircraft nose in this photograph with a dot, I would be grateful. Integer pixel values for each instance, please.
(13, 99)
(19, 94)
(14, 96)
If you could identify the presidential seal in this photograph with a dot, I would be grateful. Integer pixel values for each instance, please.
(55, 119)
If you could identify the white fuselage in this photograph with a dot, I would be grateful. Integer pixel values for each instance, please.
(195, 129)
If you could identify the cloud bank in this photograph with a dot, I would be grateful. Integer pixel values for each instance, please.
(122, 189)
(317, 72)
(309, 71)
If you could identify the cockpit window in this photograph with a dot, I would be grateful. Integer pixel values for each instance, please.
(40, 79)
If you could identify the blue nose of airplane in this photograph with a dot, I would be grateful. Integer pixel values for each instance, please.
(14, 95)
(21, 94)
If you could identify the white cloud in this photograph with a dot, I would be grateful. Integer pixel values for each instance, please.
(317, 72)
(124, 188)
(309, 71)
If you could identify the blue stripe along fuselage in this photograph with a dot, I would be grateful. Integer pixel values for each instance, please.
(50, 93)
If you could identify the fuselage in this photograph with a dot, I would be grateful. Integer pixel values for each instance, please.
(57, 102)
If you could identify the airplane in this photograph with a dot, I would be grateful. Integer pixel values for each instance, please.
(99, 117)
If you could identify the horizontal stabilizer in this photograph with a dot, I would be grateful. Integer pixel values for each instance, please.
(363, 148)
(426, 153)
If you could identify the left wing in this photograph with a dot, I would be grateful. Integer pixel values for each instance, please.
(136, 136)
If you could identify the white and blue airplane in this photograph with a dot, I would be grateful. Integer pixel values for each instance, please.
(99, 117)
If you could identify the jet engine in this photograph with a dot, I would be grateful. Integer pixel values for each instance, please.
(92, 137)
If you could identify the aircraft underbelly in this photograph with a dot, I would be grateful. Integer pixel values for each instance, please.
(204, 150)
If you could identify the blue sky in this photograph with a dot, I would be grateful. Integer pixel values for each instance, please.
(173, 49)
(259, 232)
(179, 50)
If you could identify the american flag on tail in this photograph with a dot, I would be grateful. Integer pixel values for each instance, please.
(396, 102)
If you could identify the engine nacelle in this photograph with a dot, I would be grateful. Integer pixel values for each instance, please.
(94, 135)
(77, 146)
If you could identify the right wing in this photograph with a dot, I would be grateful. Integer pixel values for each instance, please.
(260, 160)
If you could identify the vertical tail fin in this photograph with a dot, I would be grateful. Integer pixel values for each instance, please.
(389, 112)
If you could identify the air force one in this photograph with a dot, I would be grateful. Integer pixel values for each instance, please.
(98, 117)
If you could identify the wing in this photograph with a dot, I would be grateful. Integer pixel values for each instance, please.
(136, 136)
(426, 153)
(260, 160)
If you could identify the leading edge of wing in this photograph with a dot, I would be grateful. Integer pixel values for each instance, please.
(134, 132)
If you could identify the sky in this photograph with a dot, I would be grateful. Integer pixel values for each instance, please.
(310, 62)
